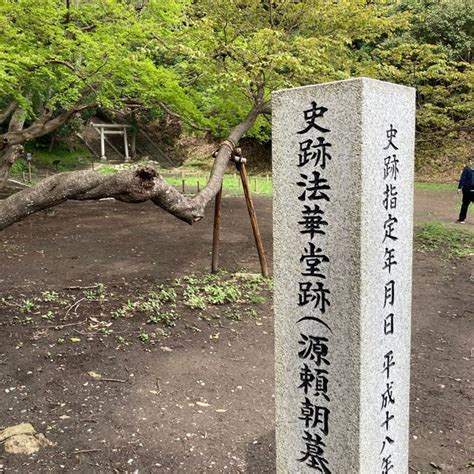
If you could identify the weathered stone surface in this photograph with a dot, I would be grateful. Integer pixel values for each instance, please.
(21, 429)
(344, 432)
(23, 439)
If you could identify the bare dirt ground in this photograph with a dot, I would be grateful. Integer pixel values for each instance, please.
(197, 397)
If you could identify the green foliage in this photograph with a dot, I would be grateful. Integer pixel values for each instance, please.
(19, 167)
(59, 159)
(94, 53)
(232, 185)
(98, 293)
(201, 291)
(445, 240)
(208, 59)
(49, 296)
(435, 186)
(49, 316)
(231, 48)
(446, 23)
(167, 318)
(431, 53)
(28, 306)
(152, 306)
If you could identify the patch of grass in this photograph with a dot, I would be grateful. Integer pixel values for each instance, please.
(256, 299)
(222, 288)
(167, 318)
(164, 294)
(49, 296)
(19, 167)
(28, 306)
(435, 186)
(95, 294)
(59, 159)
(104, 312)
(446, 240)
(119, 313)
(49, 316)
(261, 185)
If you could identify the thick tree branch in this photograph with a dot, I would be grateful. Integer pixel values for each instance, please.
(40, 127)
(11, 153)
(7, 111)
(128, 186)
(9, 156)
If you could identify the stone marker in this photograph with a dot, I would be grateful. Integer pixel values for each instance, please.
(343, 205)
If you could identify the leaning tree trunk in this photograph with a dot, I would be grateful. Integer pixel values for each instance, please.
(11, 142)
(7, 158)
(11, 152)
(128, 186)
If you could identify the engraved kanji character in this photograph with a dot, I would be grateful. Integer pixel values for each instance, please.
(391, 134)
(312, 259)
(389, 293)
(313, 455)
(314, 187)
(306, 377)
(390, 197)
(388, 324)
(315, 348)
(317, 292)
(312, 221)
(389, 227)
(387, 363)
(389, 259)
(391, 167)
(387, 396)
(386, 441)
(310, 117)
(387, 465)
(388, 419)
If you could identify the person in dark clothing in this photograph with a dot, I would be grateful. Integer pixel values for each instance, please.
(466, 186)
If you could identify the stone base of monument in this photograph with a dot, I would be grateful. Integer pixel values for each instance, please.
(343, 163)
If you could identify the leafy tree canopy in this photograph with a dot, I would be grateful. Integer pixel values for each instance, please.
(92, 52)
(232, 48)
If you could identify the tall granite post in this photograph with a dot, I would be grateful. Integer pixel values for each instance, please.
(343, 204)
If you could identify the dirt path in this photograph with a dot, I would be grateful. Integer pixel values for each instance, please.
(200, 399)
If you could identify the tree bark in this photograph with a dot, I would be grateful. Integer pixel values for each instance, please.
(7, 111)
(128, 186)
(11, 152)
(45, 124)
(8, 157)
(11, 142)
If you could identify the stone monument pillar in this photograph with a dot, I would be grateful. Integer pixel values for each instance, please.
(343, 164)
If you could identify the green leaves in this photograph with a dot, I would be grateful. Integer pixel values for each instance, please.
(208, 60)
(100, 53)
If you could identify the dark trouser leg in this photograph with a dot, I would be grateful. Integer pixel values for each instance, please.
(467, 197)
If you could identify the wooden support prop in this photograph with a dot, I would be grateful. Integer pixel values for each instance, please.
(198, 186)
(253, 218)
(217, 231)
(183, 185)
